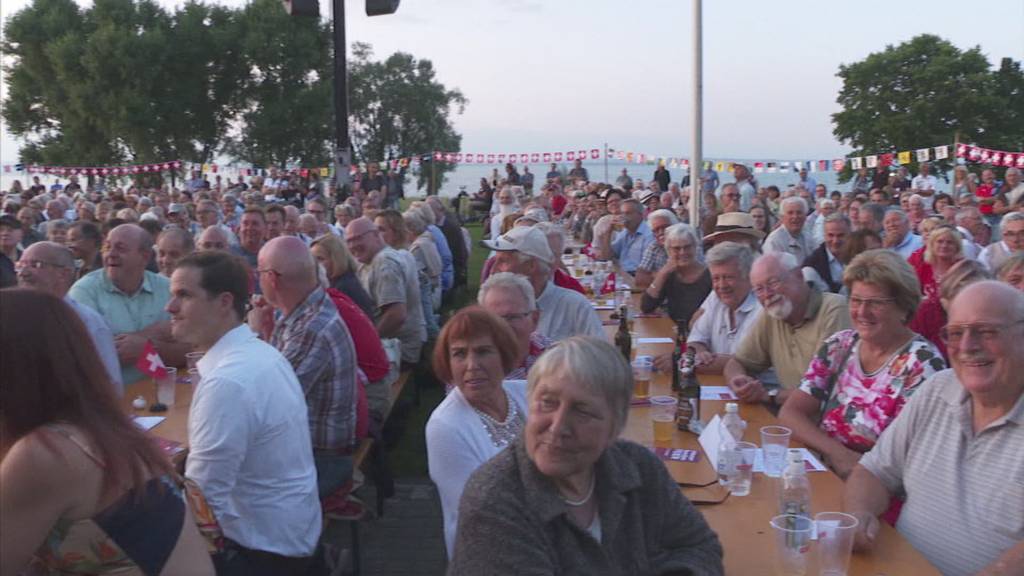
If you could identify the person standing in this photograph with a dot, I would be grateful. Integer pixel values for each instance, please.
(249, 443)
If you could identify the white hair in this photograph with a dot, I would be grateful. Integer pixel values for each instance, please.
(663, 213)
(679, 231)
(724, 252)
(1011, 217)
(794, 200)
(787, 261)
(511, 282)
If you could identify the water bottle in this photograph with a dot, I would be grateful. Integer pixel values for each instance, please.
(732, 432)
(795, 489)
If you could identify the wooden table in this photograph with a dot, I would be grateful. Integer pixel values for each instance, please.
(175, 425)
(742, 523)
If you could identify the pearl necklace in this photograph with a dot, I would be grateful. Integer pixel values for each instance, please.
(590, 492)
(503, 433)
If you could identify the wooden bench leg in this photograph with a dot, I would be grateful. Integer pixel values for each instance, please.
(356, 558)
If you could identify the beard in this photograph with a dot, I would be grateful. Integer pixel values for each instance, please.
(780, 309)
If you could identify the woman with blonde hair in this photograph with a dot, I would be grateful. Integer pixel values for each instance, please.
(963, 183)
(943, 249)
(339, 265)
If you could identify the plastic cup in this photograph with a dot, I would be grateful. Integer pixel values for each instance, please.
(792, 544)
(775, 445)
(643, 366)
(835, 541)
(740, 466)
(191, 362)
(165, 387)
(663, 417)
(622, 298)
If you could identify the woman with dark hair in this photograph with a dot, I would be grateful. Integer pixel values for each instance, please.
(82, 488)
(482, 414)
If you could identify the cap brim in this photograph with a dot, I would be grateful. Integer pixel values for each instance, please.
(745, 231)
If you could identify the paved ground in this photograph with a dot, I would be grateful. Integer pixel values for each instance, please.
(408, 540)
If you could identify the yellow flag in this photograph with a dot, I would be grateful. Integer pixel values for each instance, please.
(324, 172)
(719, 166)
(904, 157)
(206, 167)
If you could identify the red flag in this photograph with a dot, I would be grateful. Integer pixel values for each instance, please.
(595, 154)
(547, 157)
(609, 284)
(534, 157)
(558, 156)
(570, 155)
(962, 150)
(150, 363)
(885, 160)
(490, 158)
(524, 158)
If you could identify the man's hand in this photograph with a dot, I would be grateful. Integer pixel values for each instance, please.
(748, 389)
(261, 317)
(703, 357)
(129, 346)
(663, 363)
(842, 461)
(867, 531)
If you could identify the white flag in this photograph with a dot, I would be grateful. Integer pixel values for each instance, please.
(941, 152)
(872, 161)
(856, 163)
(923, 154)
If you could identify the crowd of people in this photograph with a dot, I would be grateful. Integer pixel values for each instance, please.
(883, 324)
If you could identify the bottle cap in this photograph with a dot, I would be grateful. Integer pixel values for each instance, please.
(732, 408)
(795, 457)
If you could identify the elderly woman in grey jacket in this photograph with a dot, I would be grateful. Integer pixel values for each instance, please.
(568, 497)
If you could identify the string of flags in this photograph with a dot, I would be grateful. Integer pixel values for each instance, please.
(968, 153)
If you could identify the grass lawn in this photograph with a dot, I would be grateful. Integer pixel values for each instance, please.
(408, 457)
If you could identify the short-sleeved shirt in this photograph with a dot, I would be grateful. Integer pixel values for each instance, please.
(774, 343)
(964, 490)
(125, 313)
(861, 405)
(714, 329)
(781, 240)
(390, 281)
(565, 313)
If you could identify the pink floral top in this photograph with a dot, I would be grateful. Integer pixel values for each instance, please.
(862, 405)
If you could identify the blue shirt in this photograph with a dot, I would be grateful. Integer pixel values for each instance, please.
(629, 247)
(125, 313)
(448, 266)
(103, 339)
(911, 242)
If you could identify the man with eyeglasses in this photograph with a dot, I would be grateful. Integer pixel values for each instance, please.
(786, 334)
(730, 198)
(654, 256)
(511, 297)
(955, 449)
(50, 267)
(1012, 228)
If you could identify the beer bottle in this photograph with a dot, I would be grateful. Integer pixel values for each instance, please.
(623, 341)
(689, 394)
(677, 355)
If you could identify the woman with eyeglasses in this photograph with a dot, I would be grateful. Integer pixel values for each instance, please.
(931, 315)
(861, 378)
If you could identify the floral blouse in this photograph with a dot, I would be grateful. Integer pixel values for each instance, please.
(862, 405)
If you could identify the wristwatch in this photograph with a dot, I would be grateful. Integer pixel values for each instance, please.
(773, 395)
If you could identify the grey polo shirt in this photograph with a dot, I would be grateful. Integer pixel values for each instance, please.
(965, 491)
(565, 313)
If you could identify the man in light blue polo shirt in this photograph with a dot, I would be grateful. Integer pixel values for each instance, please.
(629, 244)
(131, 299)
(898, 236)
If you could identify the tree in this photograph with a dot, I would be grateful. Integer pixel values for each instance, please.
(287, 111)
(399, 109)
(922, 92)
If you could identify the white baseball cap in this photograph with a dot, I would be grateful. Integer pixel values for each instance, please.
(525, 239)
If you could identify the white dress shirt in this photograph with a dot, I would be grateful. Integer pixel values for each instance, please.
(250, 449)
(717, 331)
(103, 339)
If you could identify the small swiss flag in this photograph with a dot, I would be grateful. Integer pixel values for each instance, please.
(150, 362)
(609, 284)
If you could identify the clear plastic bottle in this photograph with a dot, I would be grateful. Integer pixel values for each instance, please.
(732, 432)
(795, 488)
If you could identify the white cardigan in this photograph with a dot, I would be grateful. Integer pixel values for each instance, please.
(457, 444)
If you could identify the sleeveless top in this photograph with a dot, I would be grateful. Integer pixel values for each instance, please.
(134, 535)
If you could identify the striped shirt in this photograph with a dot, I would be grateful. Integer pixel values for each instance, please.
(965, 491)
(316, 341)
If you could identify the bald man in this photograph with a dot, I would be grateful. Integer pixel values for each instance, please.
(50, 267)
(955, 449)
(314, 339)
(131, 299)
(213, 238)
(393, 286)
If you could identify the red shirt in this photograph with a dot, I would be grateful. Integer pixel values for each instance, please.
(985, 191)
(558, 204)
(563, 280)
(370, 355)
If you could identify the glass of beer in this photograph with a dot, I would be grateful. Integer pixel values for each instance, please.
(643, 366)
(663, 417)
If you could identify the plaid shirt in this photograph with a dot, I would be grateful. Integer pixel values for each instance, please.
(317, 343)
(538, 344)
(654, 258)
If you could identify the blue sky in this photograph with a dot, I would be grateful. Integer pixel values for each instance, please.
(572, 74)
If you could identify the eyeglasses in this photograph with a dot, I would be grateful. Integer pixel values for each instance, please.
(870, 303)
(773, 284)
(515, 317)
(35, 264)
(953, 334)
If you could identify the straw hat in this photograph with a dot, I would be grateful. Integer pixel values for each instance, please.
(734, 223)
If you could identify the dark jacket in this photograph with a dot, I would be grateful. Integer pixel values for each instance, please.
(819, 261)
(512, 521)
(453, 234)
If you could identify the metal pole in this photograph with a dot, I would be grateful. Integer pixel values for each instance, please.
(606, 163)
(342, 143)
(696, 154)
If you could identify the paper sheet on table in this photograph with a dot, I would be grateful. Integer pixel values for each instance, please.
(710, 438)
(148, 422)
(654, 340)
(811, 462)
(604, 305)
(716, 393)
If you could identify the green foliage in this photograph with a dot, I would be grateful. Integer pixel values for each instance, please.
(400, 109)
(922, 92)
(127, 81)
